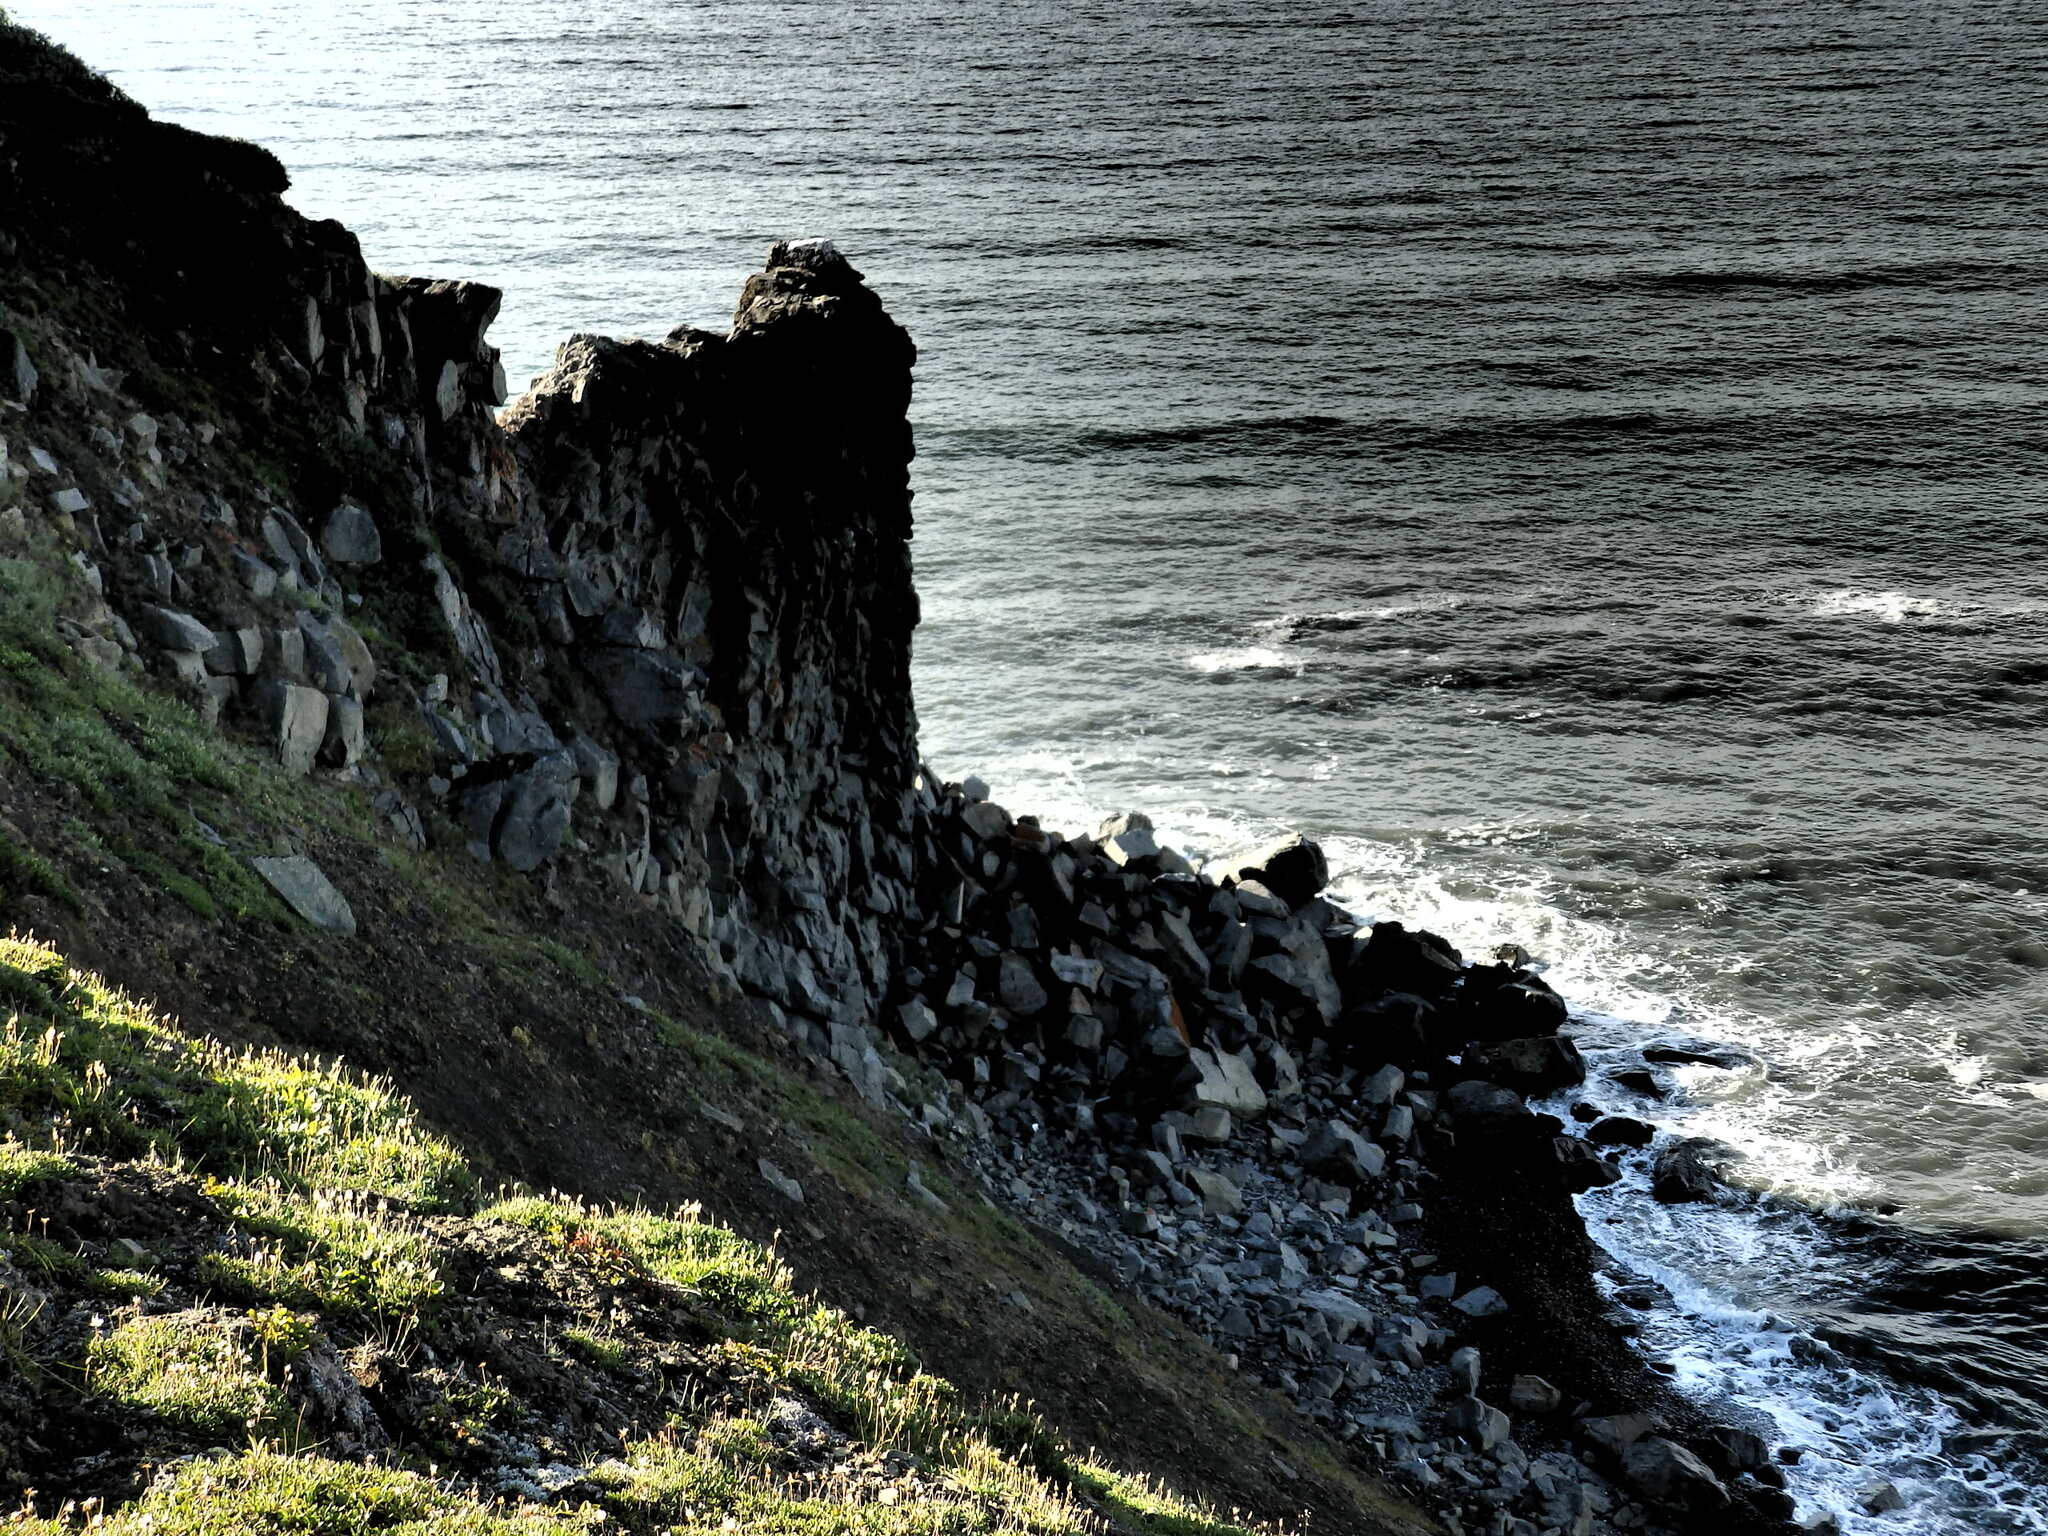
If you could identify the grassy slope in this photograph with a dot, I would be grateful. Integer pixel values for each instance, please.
(318, 1209)
(333, 1177)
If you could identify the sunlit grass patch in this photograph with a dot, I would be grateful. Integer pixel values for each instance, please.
(340, 1252)
(195, 1372)
(85, 1066)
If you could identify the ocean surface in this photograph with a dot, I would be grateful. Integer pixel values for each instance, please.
(1582, 461)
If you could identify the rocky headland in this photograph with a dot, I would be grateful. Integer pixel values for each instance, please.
(646, 630)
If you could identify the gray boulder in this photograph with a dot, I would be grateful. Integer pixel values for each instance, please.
(295, 719)
(350, 537)
(172, 630)
(1689, 1170)
(1227, 1081)
(17, 373)
(306, 889)
(1293, 869)
(1018, 986)
(1487, 1109)
(1538, 1064)
(1480, 1423)
(1336, 1151)
(1667, 1472)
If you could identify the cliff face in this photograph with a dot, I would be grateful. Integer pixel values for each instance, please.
(671, 589)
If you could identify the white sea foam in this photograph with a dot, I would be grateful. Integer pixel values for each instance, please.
(1722, 1341)
(1885, 607)
(1250, 658)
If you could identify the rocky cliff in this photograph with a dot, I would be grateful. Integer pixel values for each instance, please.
(651, 624)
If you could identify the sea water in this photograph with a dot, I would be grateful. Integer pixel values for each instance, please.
(1578, 460)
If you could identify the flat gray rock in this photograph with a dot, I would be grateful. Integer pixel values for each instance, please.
(308, 892)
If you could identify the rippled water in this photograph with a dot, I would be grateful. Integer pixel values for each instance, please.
(1581, 460)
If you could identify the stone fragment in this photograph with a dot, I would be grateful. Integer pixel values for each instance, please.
(296, 718)
(1018, 986)
(1534, 1396)
(1227, 1081)
(1293, 869)
(1667, 1472)
(1615, 1433)
(342, 745)
(18, 377)
(1880, 1498)
(173, 631)
(985, 819)
(306, 889)
(350, 537)
(1464, 1366)
(1133, 849)
(1383, 1087)
(780, 1182)
(1077, 971)
(1336, 1151)
(1689, 1170)
(236, 653)
(1539, 1064)
(1483, 1425)
(917, 1020)
(1220, 1196)
(1480, 1302)
(258, 577)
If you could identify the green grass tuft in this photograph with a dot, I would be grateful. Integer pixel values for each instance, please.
(190, 1371)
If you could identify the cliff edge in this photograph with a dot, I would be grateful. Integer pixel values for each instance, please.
(558, 759)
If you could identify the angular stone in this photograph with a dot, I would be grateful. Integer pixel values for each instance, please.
(342, 745)
(1343, 1316)
(1227, 1081)
(1134, 849)
(259, 577)
(1220, 1196)
(297, 721)
(306, 889)
(237, 652)
(1534, 1396)
(350, 537)
(534, 817)
(1077, 971)
(1615, 1433)
(780, 1182)
(917, 1020)
(648, 691)
(1336, 1151)
(1478, 1422)
(1383, 1087)
(1538, 1064)
(1667, 1472)
(17, 371)
(985, 819)
(1464, 1365)
(1293, 869)
(1018, 986)
(1480, 1302)
(173, 631)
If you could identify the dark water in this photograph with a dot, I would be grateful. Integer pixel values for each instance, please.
(1581, 460)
